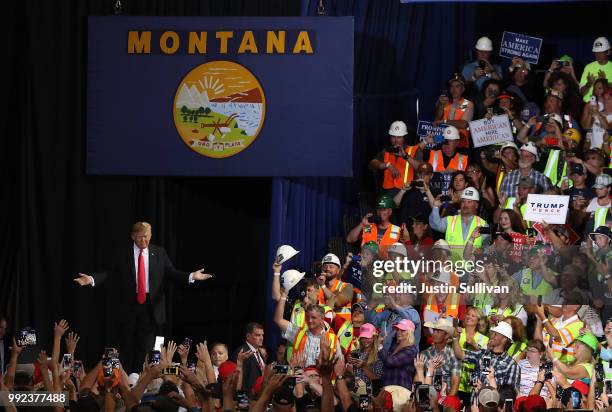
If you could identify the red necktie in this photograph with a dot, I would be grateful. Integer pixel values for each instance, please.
(141, 295)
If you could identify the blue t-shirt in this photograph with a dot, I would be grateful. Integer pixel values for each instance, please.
(470, 68)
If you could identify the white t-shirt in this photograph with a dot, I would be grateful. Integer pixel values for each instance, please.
(593, 206)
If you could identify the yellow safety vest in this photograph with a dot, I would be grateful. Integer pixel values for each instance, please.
(298, 318)
(552, 168)
(346, 338)
(599, 218)
(543, 289)
(465, 383)
(516, 349)
(301, 338)
(454, 234)
(569, 329)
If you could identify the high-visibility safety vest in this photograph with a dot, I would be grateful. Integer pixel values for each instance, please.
(369, 233)
(600, 216)
(543, 289)
(510, 205)
(465, 383)
(490, 311)
(516, 349)
(298, 318)
(406, 172)
(348, 342)
(454, 234)
(459, 112)
(338, 286)
(358, 296)
(449, 308)
(569, 330)
(554, 170)
(436, 160)
(302, 337)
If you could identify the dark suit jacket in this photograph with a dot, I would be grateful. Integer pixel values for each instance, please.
(250, 368)
(122, 279)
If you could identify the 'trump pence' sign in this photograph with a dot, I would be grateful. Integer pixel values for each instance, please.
(491, 131)
(519, 45)
(547, 208)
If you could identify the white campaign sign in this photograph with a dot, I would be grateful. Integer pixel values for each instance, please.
(486, 132)
(548, 208)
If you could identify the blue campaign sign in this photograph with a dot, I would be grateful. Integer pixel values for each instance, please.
(204, 96)
(425, 127)
(520, 45)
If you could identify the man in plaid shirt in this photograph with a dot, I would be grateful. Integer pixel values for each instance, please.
(528, 157)
(450, 370)
(505, 369)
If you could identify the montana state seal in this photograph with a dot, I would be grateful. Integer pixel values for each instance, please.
(219, 109)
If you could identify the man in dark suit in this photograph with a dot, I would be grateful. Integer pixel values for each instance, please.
(253, 365)
(137, 280)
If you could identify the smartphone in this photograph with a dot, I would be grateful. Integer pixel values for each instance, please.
(486, 363)
(608, 386)
(26, 337)
(77, 368)
(509, 405)
(281, 369)
(485, 230)
(107, 368)
(109, 352)
(191, 365)
(445, 198)
(575, 400)
(242, 399)
(154, 357)
(159, 342)
(417, 183)
(66, 359)
(437, 382)
(444, 93)
(364, 402)
(422, 396)
(375, 219)
(187, 343)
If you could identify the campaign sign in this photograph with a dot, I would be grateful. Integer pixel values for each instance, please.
(425, 127)
(520, 45)
(551, 209)
(491, 131)
(208, 96)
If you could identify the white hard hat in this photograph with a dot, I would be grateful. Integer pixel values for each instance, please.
(290, 278)
(469, 193)
(484, 44)
(284, 253)
(507, 145)
(601, 44)
(398, 128)
(557, 118)
(331, 258)
(398, 248)
(531, 148)
(503, 328)
(133, 379)
(441, 244)
(451, 133)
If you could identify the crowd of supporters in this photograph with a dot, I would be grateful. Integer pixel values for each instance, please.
(453, 300)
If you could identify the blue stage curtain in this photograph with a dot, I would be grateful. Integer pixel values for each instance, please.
(401, 53)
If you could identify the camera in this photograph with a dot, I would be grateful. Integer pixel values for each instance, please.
(282, 369)
(482, 64)
(547, 367)
(26, 337)
(66, 359)
(242, 399)
(171, 370)
(154, 357)
(364, 402)
(374, 219)
(422, 397)
(486, 363)
(418, 183)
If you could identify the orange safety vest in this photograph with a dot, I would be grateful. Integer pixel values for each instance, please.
(345, 311)
(463, 133)
(451, 303)
(369, 233)
(436, 160)
(406, 172)
(302, 337)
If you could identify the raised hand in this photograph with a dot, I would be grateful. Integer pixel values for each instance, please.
(298, 359)
(183, 352)
(243, 355)
(60, 328)
(200, 275)
(167, 353)
(43, 360)
(83, 279)
(71, 341)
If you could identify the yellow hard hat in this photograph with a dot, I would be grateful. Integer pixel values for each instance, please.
(573, 134)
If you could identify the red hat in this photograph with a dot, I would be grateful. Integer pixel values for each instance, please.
(311, 368)
(581, 386)
(226, 369)
(453, 401)
(388, 401)
(530, 403)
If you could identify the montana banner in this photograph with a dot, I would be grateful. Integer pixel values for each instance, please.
(200, 96)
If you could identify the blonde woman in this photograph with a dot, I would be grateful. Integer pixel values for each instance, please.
(398, 361)
(364, 361)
